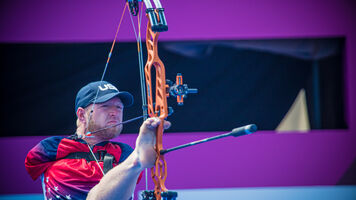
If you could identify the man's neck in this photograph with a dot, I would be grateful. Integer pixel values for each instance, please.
(93, 141)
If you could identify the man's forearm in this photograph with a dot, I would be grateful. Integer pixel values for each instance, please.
(120, 182)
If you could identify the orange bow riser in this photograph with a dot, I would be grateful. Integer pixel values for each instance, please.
(157, 107)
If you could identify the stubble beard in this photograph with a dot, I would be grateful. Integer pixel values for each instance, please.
(106, 134)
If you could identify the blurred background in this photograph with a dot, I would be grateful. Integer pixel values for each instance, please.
(287, 66)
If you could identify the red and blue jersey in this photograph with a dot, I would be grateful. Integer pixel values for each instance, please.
(68, 178)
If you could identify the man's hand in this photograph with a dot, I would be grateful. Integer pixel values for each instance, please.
(120, 182)
(145, 143)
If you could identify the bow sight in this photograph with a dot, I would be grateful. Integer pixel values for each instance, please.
(179, 89)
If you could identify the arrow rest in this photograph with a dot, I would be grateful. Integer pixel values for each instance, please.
(170, 110)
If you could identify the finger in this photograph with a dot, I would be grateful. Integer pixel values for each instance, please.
(156, 122)
(149, 120)
(152, 123)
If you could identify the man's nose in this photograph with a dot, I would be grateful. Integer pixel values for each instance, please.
(113, 110)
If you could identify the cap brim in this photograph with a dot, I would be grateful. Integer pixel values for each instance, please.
(125, 97)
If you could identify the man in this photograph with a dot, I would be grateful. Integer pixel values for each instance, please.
(79, 166)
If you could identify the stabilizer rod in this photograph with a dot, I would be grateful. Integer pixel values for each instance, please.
(244, 130)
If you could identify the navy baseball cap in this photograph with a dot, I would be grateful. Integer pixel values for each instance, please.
(105, 91)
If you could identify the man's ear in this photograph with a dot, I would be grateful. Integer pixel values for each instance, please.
(81, 114)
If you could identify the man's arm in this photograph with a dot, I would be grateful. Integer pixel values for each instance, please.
(40, 157)
(120, 182)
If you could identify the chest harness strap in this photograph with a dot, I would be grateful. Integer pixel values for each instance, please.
(101, 156)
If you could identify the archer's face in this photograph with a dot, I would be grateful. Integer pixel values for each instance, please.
(104, 115)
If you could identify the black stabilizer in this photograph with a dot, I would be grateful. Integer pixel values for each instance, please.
(245, 130)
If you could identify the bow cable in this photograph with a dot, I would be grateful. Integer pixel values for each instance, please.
(143, 85)
(142, 75)
(101, 80)
(140, 62)
(105, 68)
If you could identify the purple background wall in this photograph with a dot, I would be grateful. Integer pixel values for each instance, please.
(258, 160)
(264, 159)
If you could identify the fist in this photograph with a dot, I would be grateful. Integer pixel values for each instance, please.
(146, 141)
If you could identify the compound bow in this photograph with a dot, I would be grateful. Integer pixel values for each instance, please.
(154, 100)
(156, 105)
